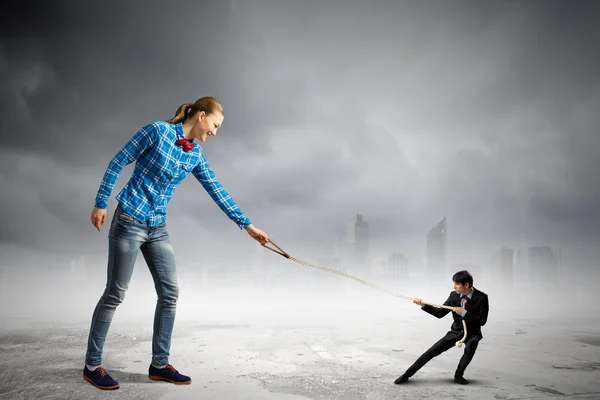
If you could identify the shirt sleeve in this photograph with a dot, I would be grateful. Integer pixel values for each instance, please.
(207, 179)
(142, 140)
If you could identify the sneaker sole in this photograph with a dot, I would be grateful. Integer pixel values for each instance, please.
(100, 387)
(160, 378)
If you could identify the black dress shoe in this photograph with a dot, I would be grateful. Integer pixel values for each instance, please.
(401, 379)
(461, 380)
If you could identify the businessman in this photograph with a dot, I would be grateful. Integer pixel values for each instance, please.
(469, 304)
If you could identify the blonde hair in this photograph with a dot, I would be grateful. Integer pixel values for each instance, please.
(208, 104)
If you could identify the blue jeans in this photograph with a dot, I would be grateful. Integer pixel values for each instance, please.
(126, 237)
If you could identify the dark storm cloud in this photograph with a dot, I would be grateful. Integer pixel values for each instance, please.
(101, 65)
(405, 112)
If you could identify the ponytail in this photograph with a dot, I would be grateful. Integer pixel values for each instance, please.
(181, 114)
(209, 105)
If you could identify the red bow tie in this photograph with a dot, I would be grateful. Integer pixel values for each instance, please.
(187, 146)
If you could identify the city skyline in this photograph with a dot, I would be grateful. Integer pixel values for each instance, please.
(503, 263)
(531, 264)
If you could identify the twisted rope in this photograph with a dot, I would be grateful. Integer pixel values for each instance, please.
(281, 252)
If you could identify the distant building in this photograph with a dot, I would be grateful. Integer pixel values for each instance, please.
(357, 240)
(436, 251)
(544, 265)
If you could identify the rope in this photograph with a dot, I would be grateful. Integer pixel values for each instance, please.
(281, 252)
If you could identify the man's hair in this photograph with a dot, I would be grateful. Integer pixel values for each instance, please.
(463, 277)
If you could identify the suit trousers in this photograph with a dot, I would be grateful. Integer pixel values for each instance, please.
(443, 345)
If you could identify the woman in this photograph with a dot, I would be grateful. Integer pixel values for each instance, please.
(164, 153)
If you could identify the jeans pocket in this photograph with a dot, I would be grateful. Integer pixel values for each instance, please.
(126, 218)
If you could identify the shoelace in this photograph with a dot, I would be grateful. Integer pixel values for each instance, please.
(102, 371)
(169, 366)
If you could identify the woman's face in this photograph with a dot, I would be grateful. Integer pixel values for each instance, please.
(206, 125)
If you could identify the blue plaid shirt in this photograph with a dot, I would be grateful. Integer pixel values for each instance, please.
(161, 166)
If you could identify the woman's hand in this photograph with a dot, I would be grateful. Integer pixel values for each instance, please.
(98, 217)
(257, 234)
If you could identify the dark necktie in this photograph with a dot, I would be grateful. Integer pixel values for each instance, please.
(467, 300)
(187, 146)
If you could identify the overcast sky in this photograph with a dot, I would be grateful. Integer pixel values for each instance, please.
(484, 112)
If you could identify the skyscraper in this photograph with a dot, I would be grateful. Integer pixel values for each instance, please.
(357, 240)
(436, 251)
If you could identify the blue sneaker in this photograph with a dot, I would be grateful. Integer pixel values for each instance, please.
(168, 373)
(100, 378)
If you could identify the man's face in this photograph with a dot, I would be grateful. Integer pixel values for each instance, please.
(462, 289)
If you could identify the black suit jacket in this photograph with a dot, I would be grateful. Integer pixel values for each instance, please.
(476, 316)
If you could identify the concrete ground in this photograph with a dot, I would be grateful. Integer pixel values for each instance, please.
(300, 352)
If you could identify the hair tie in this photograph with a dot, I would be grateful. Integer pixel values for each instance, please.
(191, 105)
